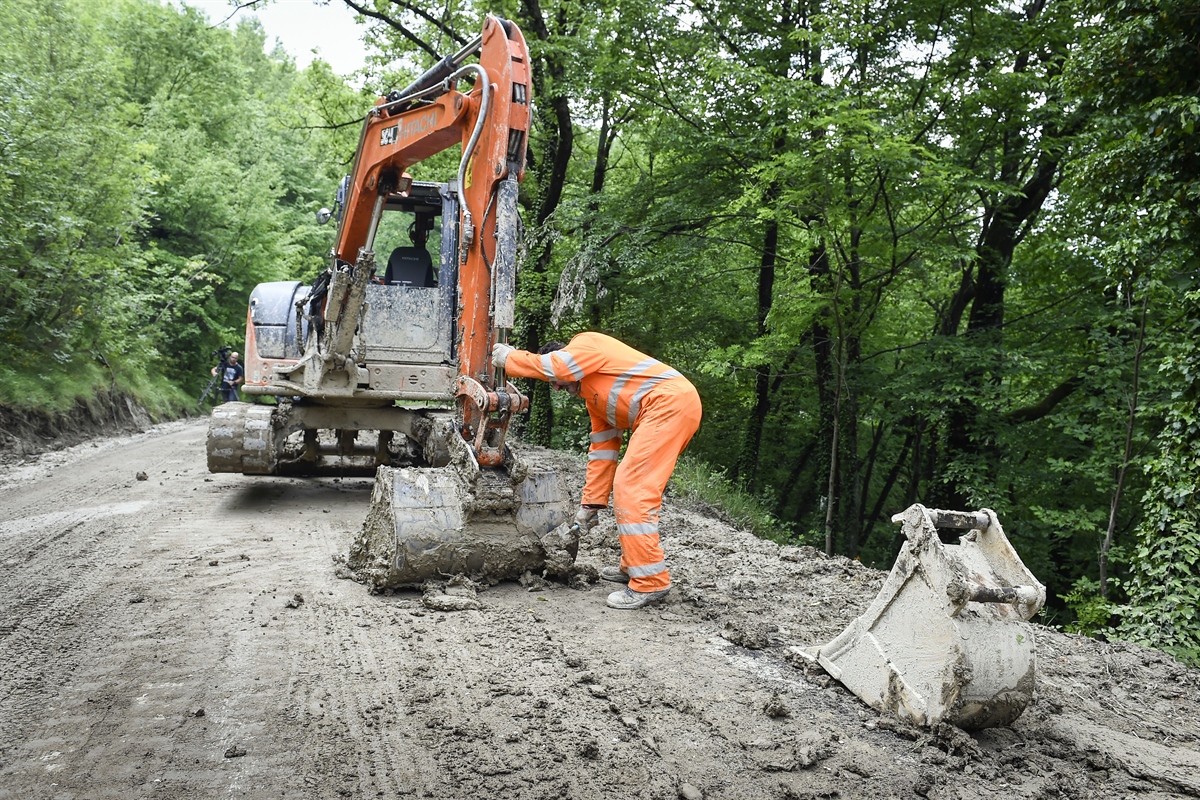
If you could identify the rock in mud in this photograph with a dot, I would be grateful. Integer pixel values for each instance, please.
(776, 708)
(459, 594)
(810, 748)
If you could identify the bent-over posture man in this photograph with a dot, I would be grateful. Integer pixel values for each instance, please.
(623, 390)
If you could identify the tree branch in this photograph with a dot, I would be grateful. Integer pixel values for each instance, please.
(1047, 403)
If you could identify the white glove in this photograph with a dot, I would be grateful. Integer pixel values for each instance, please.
(500, 352)
(587, 518)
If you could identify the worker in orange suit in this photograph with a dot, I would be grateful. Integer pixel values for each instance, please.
(623, 390)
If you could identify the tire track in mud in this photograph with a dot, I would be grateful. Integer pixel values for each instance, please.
(326, 686)
(59, 604)
(644, 669)
(506, 702)
(556, 722)
(350, 706)
(69, 603)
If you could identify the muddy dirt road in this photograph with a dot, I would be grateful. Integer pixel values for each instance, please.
(187, 636)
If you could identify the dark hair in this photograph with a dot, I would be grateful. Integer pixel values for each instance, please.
(550, 347)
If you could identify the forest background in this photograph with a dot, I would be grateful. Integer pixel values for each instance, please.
(936, 251)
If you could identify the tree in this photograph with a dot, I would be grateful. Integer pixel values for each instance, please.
(1140, 190)
(70, 196)
(153, 180)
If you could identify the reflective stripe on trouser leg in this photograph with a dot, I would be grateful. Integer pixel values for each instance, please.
(670, 416)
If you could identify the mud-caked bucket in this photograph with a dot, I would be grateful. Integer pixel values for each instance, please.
(946, 639)
(483, 523)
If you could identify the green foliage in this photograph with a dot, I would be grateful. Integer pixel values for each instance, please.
(69, 197)
(1136, 192)
(1164, 594)
(1091, 612)
(700, 486)
(155, 169)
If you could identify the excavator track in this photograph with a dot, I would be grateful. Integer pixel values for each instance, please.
(241, 439)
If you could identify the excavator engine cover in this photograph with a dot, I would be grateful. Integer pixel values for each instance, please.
(489, 524)
(946, 639)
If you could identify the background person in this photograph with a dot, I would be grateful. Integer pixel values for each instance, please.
(233, 375)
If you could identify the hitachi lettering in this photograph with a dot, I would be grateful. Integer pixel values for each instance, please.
(420, 124)
(413, 127)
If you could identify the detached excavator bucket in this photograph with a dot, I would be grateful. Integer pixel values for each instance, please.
(489, 524)
(946, 639)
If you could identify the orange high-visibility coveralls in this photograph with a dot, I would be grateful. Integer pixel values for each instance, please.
(625, 390)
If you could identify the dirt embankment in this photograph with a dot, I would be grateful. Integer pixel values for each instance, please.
(25, 433)
(186, 635)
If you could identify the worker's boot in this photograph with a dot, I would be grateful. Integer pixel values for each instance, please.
(628, 598)
(614, 574)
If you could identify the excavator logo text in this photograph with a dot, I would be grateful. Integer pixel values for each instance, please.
(413, 127)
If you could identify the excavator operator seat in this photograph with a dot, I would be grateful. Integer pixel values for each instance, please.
(410, 266)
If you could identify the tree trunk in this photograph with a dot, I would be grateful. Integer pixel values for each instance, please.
(746, 467)
(549, 158)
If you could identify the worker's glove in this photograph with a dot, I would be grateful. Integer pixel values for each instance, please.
(500, 352)
(587, 518)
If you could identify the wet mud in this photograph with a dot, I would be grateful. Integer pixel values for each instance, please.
(195, 636)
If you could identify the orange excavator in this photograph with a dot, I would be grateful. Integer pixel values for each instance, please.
(383, 365)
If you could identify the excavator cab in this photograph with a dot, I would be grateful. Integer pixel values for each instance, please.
(410, 235)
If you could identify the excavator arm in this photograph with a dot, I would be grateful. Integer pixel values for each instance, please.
(362, 365)
(490, 123)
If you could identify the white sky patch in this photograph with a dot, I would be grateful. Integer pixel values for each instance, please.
(301, 26)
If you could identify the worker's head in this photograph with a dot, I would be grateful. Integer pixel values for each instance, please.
(233, 358)
(559, 386)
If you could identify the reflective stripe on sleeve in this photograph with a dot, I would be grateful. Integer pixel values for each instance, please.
(602, 455)
(548, 367)
(604, 436)
(647, 571)
(637, 528)
(570, 362)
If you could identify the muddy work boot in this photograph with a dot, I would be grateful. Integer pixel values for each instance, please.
(628, 598)
(614, 574)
